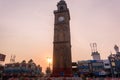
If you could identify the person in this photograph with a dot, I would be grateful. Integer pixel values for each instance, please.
(83, 77)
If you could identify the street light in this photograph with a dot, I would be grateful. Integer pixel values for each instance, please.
(49, 60)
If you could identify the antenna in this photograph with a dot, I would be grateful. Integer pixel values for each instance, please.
(95, 54)
(12, 59)
(93, 47)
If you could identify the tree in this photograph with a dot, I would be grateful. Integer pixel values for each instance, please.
(48, 71)
(23, 61)
(30, 61)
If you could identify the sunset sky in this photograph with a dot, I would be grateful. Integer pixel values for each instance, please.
(26, 28)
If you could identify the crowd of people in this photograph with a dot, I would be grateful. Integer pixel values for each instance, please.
(72, 78)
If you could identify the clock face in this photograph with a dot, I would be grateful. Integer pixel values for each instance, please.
(61, 18)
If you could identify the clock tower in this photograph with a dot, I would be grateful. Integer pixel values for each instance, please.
(62, 62)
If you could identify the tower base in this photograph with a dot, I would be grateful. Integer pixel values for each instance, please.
(62, 72)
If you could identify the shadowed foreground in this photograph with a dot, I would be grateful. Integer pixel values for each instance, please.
(63, 78)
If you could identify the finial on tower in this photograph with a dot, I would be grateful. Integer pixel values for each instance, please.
(62, 6)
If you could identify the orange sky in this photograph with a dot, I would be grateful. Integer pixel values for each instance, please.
(26, 28)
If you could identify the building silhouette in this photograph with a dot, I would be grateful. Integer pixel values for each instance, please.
(115, 62)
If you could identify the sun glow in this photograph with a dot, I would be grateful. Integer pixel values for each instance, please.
(49, 60)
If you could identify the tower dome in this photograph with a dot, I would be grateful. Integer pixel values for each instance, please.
(62, 6)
